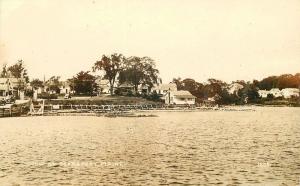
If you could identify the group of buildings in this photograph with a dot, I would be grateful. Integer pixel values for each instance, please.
(168, 92)
(286, 93)
(12, 86)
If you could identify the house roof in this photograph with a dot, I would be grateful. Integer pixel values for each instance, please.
(182, 94)
(3, 80)
(65, 83)
(16, 80)
(275, 89)
(102, 81)
(141, 86)
(290, 90)
(3, 87)
(13, 82)
(171, 86)
(126, 85)
(264, 90)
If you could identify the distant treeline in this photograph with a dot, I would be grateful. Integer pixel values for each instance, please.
(219, 90)
(281, 82)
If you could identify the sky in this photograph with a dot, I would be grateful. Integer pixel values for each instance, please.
(200, 39)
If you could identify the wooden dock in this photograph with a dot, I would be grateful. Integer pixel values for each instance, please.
(13, 110)
(39, 108)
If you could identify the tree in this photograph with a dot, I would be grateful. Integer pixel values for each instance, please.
(4, 71)
(288, 81)
(226, 98)
(249, 93)
(36, 83)
(139, 71)
(190, 85)
(84, 83)
(178, 83)
(215, 87)
(283, 81)
(112, 65)
(270, 97)
(18, 70)
(268, 83)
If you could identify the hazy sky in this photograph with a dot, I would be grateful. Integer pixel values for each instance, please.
(225, 39)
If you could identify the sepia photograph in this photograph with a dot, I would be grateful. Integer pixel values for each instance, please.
(149, 92)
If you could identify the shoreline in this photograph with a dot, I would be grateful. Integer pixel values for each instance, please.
(127, 110)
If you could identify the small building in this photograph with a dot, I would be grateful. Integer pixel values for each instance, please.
(263, 93)
(164, 88)
(290, 92)
(11, 86)
(143, 89)
(103, 86)
(285, 93)
(5, 87)
(276, 92)
(65, 88)
(125, 89)
(181, 97)
(41, 90)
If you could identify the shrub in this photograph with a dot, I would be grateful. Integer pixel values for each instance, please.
(47, 96)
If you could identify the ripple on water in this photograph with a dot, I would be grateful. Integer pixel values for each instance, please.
(217, 148)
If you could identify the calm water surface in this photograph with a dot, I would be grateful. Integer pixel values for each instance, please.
(206, 148)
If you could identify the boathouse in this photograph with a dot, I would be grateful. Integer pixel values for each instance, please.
(181, 97)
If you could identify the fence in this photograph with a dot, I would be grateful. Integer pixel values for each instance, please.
(14, 110)
(105, 108)
(19, 110)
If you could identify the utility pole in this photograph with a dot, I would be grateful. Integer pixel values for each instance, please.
(169, 96)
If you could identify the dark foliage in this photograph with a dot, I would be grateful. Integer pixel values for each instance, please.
(84, 83)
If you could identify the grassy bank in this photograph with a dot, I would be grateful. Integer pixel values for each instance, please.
(292, 103)
(101, 100)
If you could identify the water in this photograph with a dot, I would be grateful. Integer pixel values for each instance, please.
(225, 148)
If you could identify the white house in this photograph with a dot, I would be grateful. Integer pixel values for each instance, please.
(11, 86)
(286, 93)
(290, 92)
(65, 88)
(143, 89)
(276, 92)
(164, 88)
(4, 87)
(103, 86)
(40, 90)
(263, 93)
(181, 97)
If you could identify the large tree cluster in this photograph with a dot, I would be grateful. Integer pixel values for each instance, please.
(133, 70)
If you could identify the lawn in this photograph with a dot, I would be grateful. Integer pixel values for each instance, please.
(101, 100)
